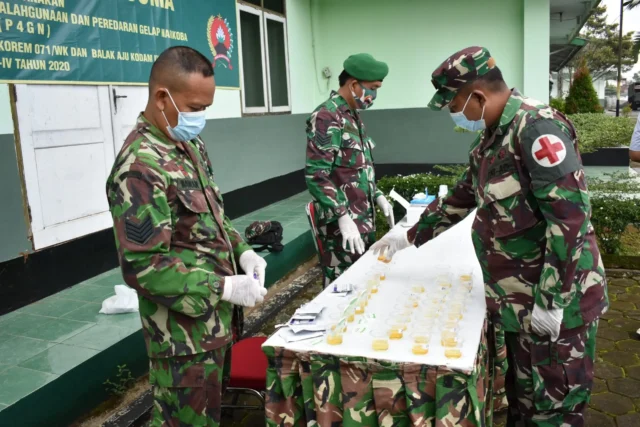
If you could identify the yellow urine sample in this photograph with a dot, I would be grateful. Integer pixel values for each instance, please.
(449, 342)
(351, 318)
(419, 349)
(380, 345)
(384, 259)
(334, 339)
(453, 315)
(421, 339)
(417, 289)
(452, 353)
(374, 290)
(448, 334)
(360, 309)
(383, 276)
(465, 278)
(395, 334)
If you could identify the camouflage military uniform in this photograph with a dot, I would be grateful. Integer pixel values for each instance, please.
(534, 240)
(175, 247)
(341, 179)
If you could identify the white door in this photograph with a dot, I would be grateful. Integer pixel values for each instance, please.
(66, 139)
(127, 104)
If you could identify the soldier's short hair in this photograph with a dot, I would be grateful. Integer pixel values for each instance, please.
(343, 78)
(180, 60)
(492, 80)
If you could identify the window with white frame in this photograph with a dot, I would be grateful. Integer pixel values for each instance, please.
(265, 57)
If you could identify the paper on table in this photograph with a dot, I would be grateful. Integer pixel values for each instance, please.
(312, 327)
(453, 248)
(310, 309)
(290, 337)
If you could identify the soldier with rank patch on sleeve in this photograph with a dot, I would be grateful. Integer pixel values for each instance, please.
(339, 168)
(544, 279)
(192, 270)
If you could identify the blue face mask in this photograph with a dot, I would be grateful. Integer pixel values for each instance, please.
(461, 120)
(189, 125)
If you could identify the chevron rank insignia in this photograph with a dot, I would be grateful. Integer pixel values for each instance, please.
(138, 232)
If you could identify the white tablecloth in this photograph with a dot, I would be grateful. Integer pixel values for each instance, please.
(409, 267)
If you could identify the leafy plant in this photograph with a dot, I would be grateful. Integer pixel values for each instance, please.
(611, 216)
(617, 183)
(582, 95)
(601, 131)
(557, 104)
(408, 186)
(626, 111)
(123, 381)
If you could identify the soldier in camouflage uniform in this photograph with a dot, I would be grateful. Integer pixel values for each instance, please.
(339, 170)
(176, 247)
(544, 278)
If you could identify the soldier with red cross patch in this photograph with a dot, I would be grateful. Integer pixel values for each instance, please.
(545, 285)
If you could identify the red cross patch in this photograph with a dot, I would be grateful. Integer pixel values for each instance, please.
(548, 150)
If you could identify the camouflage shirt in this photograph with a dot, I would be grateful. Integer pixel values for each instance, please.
(174, 242)
(339, 170)
(532, 232)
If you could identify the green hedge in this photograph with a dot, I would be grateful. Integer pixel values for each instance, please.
(612, 210)
(602, 131)
(408, 186)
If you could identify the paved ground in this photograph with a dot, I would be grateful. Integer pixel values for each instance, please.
(634, 114)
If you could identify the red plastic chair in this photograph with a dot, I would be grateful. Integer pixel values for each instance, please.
(248, 372)
(311, 216)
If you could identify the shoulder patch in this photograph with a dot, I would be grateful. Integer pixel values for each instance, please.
(548, 152)
(138, 232)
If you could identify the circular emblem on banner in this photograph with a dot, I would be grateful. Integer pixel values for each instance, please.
(548, 150)
(220, 40)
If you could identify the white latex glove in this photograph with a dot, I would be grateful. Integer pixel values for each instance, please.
(243, 290)
(546, 322)
(390, 244)
(253, 265)
(386, 209)
(350, 234)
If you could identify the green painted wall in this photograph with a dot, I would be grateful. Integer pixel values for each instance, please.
(416, 135)
(537, 16)
(253, 149)
(13, 229)
(414, 37)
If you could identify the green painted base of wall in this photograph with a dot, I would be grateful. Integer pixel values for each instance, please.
(295, 253)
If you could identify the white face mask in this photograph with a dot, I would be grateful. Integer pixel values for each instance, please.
(189, 125)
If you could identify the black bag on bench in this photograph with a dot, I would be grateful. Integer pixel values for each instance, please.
(266, 235)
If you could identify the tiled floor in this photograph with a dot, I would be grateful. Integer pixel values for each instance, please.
(44, 340)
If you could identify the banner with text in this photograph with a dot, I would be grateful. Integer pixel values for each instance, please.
(112, 41)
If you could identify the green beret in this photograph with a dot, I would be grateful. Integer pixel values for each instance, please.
(365, 68)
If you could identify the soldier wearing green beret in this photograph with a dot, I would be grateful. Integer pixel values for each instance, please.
(339, 168)
(544, 279)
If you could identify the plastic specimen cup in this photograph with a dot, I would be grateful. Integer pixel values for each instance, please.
(395, 333)
(380, 344)
(420, 349)
(334, 337)
(452, 353)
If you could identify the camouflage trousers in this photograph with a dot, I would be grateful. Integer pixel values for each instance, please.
(334, 259)
(187, 390)
(549, 384)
